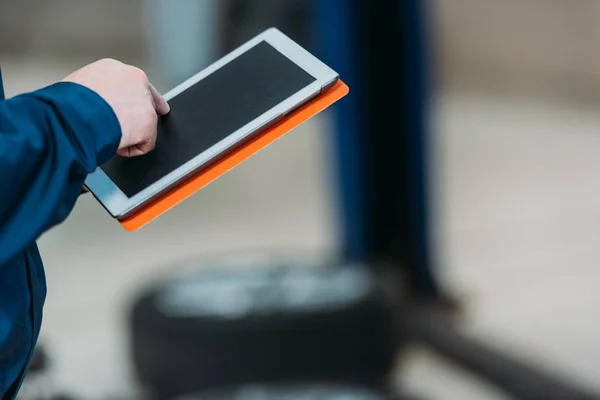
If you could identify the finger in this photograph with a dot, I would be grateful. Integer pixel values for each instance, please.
(124, 152)
(131, 151)
(144, 147)
(160, 104)
(137, 150)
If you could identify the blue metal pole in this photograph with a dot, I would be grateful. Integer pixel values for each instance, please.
(335, 46)
(380, 139)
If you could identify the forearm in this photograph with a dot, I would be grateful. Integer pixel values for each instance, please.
(49, 141)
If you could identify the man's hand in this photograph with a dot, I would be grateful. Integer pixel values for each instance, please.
(133, 98)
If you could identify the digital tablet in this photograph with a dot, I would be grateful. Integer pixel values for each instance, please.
(212, 113)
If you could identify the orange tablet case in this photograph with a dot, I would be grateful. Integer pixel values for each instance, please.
(207, 175)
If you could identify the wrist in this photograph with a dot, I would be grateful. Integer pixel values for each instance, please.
(96, 115)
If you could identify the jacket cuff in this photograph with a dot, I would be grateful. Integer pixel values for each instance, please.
(86, 111)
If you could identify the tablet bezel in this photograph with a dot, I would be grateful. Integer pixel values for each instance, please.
(119, 205)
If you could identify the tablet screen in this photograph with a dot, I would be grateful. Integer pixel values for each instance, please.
(209, 111)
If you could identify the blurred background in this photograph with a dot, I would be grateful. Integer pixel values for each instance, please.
(515, 169)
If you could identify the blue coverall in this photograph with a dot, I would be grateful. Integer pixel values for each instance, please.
(50, 140)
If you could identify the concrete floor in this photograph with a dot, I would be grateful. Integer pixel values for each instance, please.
(517, 229)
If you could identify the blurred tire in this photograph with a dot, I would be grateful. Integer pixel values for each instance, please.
(257, 319)
(295, 392)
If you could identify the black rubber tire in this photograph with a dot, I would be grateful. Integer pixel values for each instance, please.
(188, 336)
(291, 392)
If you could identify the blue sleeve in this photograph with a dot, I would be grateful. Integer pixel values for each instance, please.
(49, 141)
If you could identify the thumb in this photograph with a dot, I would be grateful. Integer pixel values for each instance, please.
(160, 104)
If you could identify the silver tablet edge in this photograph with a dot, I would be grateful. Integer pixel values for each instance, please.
(119, 205)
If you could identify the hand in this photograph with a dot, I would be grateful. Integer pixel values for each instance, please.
(132, 97)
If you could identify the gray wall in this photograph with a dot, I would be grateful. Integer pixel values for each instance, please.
(540, 47)
(547, 47)
(73, 28)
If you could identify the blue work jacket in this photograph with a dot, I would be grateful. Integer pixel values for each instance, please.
(50, 140)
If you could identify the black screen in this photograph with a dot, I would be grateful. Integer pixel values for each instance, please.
(209, 111)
